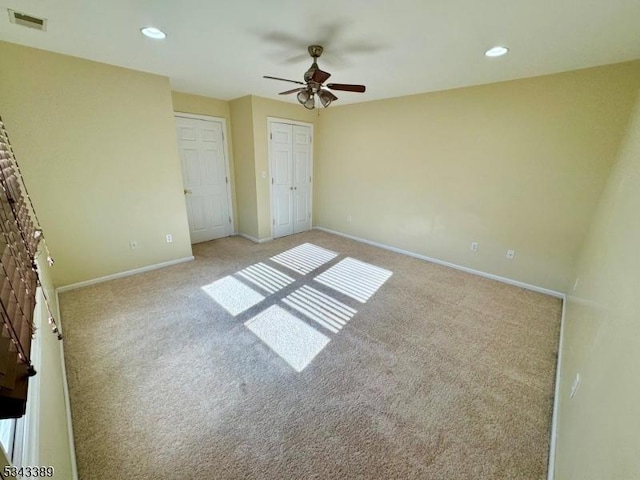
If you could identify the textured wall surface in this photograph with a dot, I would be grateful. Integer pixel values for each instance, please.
(98, 151)
(515, 165)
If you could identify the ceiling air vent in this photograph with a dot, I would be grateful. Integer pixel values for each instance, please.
(27, 20)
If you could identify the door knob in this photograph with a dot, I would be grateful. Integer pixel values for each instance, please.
(290, 188)
(187, 192)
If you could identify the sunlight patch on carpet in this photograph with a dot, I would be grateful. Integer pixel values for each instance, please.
(304, 258)
(233, 295)
(321, 308)
(356, 279)
(266, 277)
(292, 339)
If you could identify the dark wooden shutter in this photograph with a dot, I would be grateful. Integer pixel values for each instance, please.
(19, 240)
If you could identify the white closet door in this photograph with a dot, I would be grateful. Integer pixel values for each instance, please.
(302, 178)
(291, 175)
(282, 179)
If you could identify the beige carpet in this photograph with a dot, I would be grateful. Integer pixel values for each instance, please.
(438, 375)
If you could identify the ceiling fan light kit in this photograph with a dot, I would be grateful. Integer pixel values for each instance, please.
(313, 84)
(325, 97)
(303, 96)
(310, 103)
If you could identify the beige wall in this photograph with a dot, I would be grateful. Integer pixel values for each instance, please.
(251, 146)
(263, 108)
(244, 159)
(213, 107)
(515, 165)
(598, 427)
(187, 103)
(98, 151)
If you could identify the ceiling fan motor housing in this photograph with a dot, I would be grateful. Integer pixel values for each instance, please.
(315, 51)
(308, 75)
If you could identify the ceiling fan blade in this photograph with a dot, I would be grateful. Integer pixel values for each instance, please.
(319, 76)
(346, 87)
(297, 58)
(283, 79)
(292, 91)
(281, 38)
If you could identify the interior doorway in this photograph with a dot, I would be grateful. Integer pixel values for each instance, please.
(205, 175)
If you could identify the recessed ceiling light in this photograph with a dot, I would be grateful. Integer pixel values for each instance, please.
(496, 51)
(153, 32)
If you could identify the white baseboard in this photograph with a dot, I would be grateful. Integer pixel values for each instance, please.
(254, 239)
(67, 402)
(556, 399)
(249, 237)
(86, 283)
(510, 281)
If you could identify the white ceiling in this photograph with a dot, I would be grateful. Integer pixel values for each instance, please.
(221, 49)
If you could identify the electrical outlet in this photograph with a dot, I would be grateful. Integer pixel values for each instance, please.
(474, 246)
(349, 219)
(576, 384)
(511, 254)
(133, 244)
(575, 285)
(169, 238)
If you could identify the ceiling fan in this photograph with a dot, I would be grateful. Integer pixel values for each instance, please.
(313, 84)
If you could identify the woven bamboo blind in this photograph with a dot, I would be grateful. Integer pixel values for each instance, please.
(19, 240)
